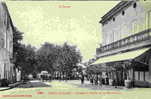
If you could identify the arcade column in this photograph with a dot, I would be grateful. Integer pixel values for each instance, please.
(150, 71)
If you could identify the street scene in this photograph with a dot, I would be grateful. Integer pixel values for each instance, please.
(75, 49)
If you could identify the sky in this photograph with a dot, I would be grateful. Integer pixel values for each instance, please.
(75, 22)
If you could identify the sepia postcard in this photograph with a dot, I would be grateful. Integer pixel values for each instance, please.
(75, 49)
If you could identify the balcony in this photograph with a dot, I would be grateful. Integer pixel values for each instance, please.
(131, 40)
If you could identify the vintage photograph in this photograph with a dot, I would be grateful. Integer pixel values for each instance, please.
(75, 49)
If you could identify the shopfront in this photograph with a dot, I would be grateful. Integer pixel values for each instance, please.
(132, 66)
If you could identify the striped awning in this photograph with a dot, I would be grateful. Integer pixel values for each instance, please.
(121, 56)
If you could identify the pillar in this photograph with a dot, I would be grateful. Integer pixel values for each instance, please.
(150, 72)
(150, 68)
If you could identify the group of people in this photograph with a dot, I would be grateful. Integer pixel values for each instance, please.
(96, 79)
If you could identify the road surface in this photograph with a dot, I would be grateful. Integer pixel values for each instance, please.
(72, 90)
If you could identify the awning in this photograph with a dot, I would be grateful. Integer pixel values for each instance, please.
(121, 56)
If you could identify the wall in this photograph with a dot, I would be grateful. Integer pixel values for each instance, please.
(133, 21)
(6, 45)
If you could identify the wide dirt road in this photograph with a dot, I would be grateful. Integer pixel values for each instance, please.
(72, 90)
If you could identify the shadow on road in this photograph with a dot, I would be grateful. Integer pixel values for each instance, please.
(33, 84)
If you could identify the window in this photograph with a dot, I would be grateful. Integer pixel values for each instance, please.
(135, 27)
(136, 75)
(123, 12)
(113, 18)
(113, 35)
(124, 31)
(142, 76)
(1, 43)
(149, 21)
(134, 5)
(147, 76)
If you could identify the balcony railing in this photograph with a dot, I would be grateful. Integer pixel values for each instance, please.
(136, 38)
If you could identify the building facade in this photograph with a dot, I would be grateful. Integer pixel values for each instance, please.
(127, 23)
(126, 32)
(6, 43)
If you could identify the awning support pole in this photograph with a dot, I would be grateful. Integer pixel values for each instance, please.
(133, 79)
(150, 69)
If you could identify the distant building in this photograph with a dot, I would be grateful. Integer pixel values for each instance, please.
(126, 32)
(6, 44)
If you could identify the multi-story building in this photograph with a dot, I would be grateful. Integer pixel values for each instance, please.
(6, 43)
(126, 32)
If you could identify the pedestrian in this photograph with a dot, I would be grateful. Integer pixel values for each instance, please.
(107, 80)
(103, 81)
(42, 78)
(91, 80)
(82, 79)
(96, 79)
(100, 80)
(50, 78)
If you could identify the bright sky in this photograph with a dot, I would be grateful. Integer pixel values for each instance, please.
(44, 21)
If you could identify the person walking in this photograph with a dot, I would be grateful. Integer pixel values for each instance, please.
(82, 79)
(100, 80)
(96, 79)
(91, 79)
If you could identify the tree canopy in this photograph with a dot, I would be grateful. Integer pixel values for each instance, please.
(53, 57)
(49, 57)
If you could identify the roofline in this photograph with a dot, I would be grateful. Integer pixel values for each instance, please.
(119, 7)
(7, 11)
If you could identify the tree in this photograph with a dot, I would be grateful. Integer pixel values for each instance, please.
(23, 56)
(68, 58)
(62, 59)
(17, 37)
(25, 59)
(46, 56)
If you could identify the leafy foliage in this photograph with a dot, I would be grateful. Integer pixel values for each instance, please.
(26, 59)
(53, 58)
(23, 56)
(48, 57)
